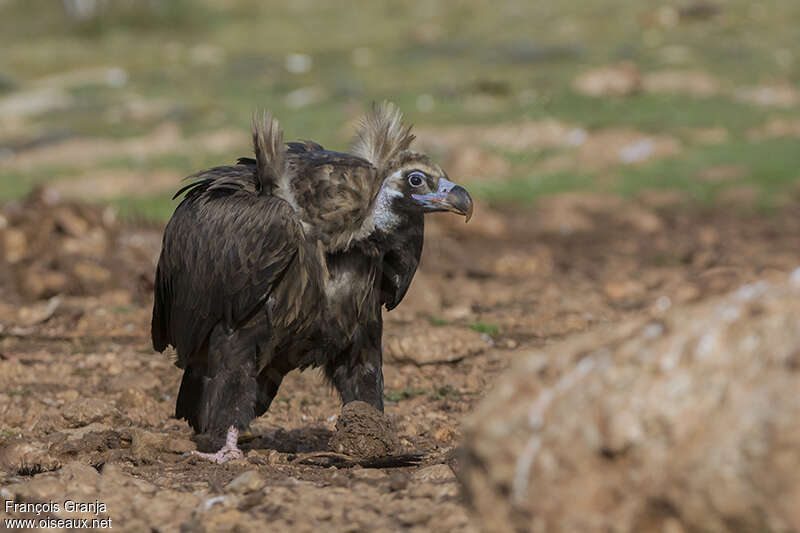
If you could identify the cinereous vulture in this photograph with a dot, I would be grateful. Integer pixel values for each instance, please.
(284, 261)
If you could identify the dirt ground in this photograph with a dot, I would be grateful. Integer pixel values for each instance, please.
(86, 405)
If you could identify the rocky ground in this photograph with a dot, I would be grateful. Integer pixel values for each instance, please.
(85, 404)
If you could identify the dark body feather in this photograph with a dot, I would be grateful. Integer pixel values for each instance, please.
(257, 278)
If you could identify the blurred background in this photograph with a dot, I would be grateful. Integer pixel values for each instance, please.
(116, 100)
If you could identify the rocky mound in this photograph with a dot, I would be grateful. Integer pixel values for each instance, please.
(685, 420)
(49, 246)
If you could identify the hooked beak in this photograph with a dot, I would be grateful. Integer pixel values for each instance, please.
(449, 197)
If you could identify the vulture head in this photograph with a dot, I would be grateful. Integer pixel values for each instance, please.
(411, 182)
(415, 183)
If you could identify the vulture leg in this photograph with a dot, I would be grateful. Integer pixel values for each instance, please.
(223, 400)
(227, 452)
(268, 382)
(361, 377)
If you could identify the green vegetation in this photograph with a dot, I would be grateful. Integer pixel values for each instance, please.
(443, 392)
(483, 327)
(206, 65)
(527, 189)
(394, 395)
(437, 322)
(768, 165)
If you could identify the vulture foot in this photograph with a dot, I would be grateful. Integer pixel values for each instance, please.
(227, 452)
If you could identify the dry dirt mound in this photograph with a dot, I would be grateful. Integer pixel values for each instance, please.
(363, 431)
(684, 421)
(49, 246)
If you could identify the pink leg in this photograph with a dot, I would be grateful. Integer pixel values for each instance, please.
(227, 452)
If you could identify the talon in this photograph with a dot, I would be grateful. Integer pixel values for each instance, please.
(226, 453)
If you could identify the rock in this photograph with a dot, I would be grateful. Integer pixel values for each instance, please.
(141, 409)
(39, 283)
(444, 434)
(87, 410)
(179, 446)
(422, 346)
(363, 431)
(81, 432)
(68, 221)
(37, 313)
(439, 472)
(397, 481)
(132, 504)
(79, 475)
(248, 481)
(26, 458)
(688, 422)
(89, 272)
(368, 474)
(146, 446)
(15, 245)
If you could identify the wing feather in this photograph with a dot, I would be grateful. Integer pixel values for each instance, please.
(401, 260)
(224, 255)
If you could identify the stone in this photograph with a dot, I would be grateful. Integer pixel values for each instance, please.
(685, 422)
(436, 473)
(83, 412)
(146, 445)
(141, 409)
(26, 458)
(248, 481)
(368, 474)
(443, 344)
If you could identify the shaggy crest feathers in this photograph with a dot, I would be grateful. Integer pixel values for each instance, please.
(382, 135)
(270, 151)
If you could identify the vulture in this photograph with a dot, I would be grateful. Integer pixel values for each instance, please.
(284, 261)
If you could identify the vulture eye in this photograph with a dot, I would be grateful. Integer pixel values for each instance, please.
(416, 179)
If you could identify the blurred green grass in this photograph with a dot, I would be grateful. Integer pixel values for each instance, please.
(211, 63)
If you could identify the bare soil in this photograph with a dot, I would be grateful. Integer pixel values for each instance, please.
(86, 405)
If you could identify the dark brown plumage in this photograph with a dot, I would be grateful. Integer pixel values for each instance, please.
(284, 261)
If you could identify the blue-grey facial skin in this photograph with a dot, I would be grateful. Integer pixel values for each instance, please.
(448, 197)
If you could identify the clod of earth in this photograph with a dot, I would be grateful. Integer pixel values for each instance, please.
(363, 431)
